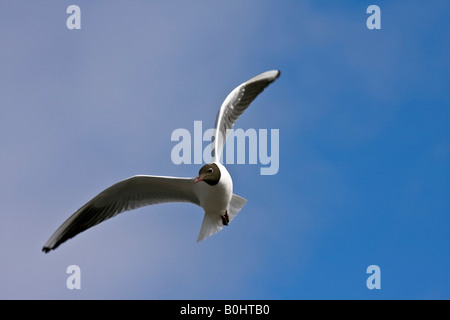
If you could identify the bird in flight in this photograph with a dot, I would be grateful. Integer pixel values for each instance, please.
(212, 189)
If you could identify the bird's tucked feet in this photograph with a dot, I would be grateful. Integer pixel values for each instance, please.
(225, 218)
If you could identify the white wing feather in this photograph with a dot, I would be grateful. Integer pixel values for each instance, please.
(235, 104)
(132, 193)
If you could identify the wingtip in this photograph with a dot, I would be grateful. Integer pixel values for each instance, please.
(278, 74)
(273, 74)
(46, 250)
(268, 76)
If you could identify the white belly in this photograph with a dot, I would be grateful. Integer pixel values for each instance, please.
(215, 199)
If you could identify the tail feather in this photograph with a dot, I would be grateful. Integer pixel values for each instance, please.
(235, 206)
(213, 224)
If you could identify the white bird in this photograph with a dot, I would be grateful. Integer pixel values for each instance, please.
(212, 189)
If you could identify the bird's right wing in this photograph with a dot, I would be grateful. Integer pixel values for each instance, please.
(129, 194)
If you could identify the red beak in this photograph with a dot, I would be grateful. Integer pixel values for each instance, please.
(198, 179)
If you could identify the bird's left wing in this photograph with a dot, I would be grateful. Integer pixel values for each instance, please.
(129, 194)
(235, 104)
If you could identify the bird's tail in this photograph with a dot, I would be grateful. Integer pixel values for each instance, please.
(213, 224)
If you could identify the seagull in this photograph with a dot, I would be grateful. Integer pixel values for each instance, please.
(212, 189)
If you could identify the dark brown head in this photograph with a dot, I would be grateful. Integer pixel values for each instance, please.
(210, 173)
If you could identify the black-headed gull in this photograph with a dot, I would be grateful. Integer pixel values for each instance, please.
(212, 189)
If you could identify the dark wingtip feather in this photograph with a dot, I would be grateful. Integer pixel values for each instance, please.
(279, 74)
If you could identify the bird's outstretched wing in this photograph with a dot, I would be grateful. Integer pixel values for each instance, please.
(235, 104)
(131, 193)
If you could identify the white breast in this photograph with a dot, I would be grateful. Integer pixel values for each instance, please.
(215, 199)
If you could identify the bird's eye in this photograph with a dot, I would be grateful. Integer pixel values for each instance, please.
(210, 170)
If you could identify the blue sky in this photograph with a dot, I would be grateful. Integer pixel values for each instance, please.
(363, 117)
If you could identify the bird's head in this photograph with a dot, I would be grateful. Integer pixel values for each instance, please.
(209, 173)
